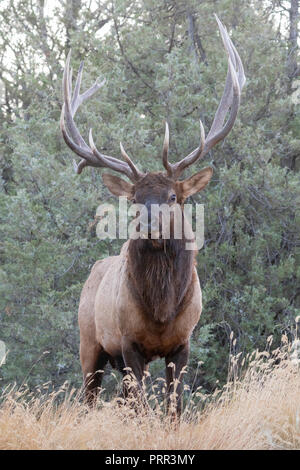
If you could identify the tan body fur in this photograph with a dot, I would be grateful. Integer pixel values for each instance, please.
(108, 313)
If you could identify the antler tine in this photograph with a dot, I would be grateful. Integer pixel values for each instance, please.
(134, 169)
(166, 162)
(233, 86)
(177, 168)
(110, 162)
(235, 81)
(75, 142)
(231, 49)
(90, 156)
(76, 89)
(218, 131)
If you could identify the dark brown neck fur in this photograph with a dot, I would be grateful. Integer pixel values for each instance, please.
(160, 276)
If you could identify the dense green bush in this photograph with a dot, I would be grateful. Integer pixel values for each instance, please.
(162, 60)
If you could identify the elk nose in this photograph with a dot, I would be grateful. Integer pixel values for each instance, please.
(154, 225)
(149, 220)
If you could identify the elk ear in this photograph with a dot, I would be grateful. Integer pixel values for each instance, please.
(117, 186)
(195, 183)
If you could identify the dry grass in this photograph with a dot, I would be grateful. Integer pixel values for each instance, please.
(259, 411)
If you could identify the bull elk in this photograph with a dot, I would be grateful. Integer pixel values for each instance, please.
(145, 302)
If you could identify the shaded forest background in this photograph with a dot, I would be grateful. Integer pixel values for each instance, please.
(162, 60)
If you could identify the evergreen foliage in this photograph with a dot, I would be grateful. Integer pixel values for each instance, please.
(162, 60)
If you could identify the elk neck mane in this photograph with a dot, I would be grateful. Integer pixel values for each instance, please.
(160, 276)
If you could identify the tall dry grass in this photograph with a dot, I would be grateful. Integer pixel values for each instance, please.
(259, 408)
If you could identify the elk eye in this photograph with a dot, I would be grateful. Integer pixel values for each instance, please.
(173, 198)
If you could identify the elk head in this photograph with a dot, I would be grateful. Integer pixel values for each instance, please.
(154, 188)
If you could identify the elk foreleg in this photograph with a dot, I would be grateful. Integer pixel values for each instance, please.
(175, 362)
(135, 366)
(93, 362)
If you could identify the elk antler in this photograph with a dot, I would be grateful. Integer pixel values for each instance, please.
(235, 81)
(89, 154)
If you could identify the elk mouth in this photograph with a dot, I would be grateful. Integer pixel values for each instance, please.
(158, 243)
(154, 237)
(151, 235)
